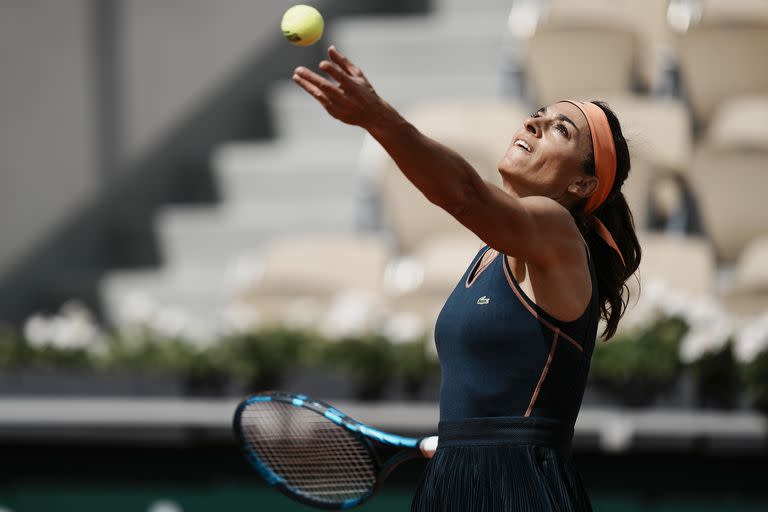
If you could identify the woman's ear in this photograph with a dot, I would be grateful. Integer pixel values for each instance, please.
(583, 186)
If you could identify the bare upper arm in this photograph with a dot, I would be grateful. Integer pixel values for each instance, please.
(536, 229)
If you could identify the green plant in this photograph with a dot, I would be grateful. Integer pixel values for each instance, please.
(754, 375)
(413, 366)
(141, 350)
(259, 358)
(369, 359)
(10, 347)
(717, 378)
(639, 364)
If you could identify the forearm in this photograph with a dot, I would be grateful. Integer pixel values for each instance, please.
(441, 174)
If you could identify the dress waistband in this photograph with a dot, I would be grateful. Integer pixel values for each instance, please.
(505, 430)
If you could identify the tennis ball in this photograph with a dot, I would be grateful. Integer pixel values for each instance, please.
(302, 25)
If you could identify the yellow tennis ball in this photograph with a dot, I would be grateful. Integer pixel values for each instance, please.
(302, 25)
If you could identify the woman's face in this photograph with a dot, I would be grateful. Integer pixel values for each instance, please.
(546, 155)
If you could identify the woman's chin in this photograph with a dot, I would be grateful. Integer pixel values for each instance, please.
(510, 172)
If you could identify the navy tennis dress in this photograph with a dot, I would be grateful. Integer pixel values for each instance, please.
(512, 382)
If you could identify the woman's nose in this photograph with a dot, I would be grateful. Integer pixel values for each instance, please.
(532, 126)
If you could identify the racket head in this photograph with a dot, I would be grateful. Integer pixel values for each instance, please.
(314, 453)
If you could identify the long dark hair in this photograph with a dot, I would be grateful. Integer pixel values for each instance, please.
(615, 214)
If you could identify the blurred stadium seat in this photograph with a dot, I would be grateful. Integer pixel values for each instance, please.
(740, 124)
(729, 186)
(722, 57)
(685, 263)
(438, 264)
(647, 20)
(313, 269)
(748, 293)
(479, 130)
(658, 130)
(606, 62)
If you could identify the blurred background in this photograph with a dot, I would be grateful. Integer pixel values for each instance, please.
(182, 225)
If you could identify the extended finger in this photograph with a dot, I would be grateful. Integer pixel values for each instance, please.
(343, 62)
(338, 74)
(311, 89)
(328, 89)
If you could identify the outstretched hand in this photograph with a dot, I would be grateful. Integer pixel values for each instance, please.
(351, 100)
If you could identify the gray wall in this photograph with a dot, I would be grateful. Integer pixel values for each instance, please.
(46, 130)
(174, 51)
(169, 55)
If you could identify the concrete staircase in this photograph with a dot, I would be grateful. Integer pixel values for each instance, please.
(307, 180)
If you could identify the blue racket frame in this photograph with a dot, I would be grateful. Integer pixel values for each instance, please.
(373, 439)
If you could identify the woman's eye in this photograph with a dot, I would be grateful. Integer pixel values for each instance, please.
(562, 129)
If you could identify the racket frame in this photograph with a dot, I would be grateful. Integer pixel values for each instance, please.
(387, 450)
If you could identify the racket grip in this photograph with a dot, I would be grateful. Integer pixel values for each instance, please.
(428, 445)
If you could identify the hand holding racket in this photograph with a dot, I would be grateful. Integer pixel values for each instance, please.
(316, 454)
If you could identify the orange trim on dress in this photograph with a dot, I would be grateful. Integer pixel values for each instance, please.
(544, 372)
(533, 311)
(478, 267)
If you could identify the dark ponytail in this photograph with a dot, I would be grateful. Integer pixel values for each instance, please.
(615, 214)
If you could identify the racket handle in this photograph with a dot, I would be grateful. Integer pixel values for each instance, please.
(428, 445)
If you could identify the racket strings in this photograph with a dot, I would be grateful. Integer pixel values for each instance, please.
(314, 456)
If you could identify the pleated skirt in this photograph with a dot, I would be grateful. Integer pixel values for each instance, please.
(502, 464)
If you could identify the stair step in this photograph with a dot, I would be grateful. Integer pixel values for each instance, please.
(430, 46)
(196, 297)
(196, 235)
(498, 7)
(245, 174)
(298, 115)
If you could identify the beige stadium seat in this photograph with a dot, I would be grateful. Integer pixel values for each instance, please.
(479, 130)
(752, 266)
(733, 11)
(740, 123)
(658, 131)
(441, 261)
(721, 59)
(646, 19)
(302, 276)
(445, 259)
(685, 263)
(321, 264)
(730, 189)
(749, 292)
(565, 60)
(637, 189)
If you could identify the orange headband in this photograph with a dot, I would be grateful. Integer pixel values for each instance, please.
(604, 151)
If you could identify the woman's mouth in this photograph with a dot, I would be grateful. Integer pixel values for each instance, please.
(521, 143)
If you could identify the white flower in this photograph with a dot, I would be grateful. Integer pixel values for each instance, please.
(77, 327)
(239, 318)
(351, 314)
(169, 322)
(403, 275)
(73, 328)
(37, 330)
(751, 339)
(404, 327)
(674, 304)
(702, 340)
(138, 309)
(243, 274)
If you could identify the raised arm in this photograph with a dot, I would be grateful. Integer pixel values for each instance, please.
(528, 228)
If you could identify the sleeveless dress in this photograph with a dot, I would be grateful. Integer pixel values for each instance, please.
(512, 382)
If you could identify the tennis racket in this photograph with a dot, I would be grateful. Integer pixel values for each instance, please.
(316, 454)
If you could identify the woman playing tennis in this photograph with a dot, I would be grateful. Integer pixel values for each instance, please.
(516, 335)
